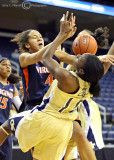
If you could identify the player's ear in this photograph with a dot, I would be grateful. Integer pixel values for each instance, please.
(81, 71)
(27, 45)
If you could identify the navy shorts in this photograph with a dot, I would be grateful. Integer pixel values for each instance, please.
(6, 149)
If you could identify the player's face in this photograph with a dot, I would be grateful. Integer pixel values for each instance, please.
(5, 68)
(80, 61)
(35, 41)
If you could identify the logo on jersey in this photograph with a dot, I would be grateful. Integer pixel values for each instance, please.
(42, 69)
(11, 89)
(6, 93)
(83, 93)
(12, 125)
(92, 144)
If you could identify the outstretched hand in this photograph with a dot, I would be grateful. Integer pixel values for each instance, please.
(107, 59)
(67, 26)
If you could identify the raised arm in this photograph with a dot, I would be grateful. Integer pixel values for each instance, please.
(63, 76)
(65, 57)
(108, 64)
(26, 59)
(108, 59)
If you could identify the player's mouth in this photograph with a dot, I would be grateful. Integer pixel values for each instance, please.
(8, 71)
(40, 44)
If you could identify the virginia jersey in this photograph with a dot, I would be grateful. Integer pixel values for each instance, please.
(36, 81)
(61, 104)
(6, 95)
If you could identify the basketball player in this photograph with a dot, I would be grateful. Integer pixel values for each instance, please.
(8, 96)
(69, 89)
(35, 76)
(88, 111)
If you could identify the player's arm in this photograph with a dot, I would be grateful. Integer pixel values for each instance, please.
(110, 52)
(19, 105)
(63, 76)
(26, 59)
(108, 59)
(64, 57)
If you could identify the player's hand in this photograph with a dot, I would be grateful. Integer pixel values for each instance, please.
(60, 49)
(67, 26)
(107, 59)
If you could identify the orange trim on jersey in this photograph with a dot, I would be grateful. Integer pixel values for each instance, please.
(77, 118)
(7, 82)
(26, 75)
(31, 152)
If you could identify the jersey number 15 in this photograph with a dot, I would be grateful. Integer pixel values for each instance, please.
(4, 101)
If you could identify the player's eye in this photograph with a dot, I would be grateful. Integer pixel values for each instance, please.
(34, 37)
(4, 64)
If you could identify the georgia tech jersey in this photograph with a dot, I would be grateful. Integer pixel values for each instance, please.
(6, 95)
(89, 115)
(61, 104)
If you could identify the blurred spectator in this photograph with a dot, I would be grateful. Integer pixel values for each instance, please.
(21, 89)
(15, 55)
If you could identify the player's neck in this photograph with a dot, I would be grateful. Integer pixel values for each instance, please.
(33, 51)
(3, 80)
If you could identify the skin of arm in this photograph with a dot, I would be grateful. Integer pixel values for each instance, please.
(26, 59)
(107, 64)
(65, 57)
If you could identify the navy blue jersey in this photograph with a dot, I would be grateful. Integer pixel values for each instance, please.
(6, 95)
(36, 81)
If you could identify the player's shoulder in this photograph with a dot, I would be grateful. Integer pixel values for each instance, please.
(22, 55)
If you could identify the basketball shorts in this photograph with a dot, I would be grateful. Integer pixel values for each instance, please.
(47, 134)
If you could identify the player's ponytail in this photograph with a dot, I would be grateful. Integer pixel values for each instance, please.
(95, 89)
(13, 78)
(21, 39)
(101, 35)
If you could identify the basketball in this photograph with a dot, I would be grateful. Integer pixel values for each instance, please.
(84, 44)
